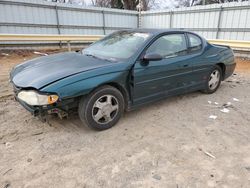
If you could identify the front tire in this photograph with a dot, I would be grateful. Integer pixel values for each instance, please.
(102, 108)
(213, 80)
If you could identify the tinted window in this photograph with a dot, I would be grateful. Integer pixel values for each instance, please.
(195, 43)
(169, 45)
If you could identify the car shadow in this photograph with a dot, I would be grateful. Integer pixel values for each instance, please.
(74, 123)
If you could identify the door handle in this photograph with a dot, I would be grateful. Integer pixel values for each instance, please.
(185, 65)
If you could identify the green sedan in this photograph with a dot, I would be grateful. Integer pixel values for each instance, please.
(120, 72)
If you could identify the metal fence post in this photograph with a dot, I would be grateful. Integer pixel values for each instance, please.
(57, 20)
(219, 23)
(103, 22)
(69, 47)
(138, 20)
(139, 15)
(58, 24)
(170, 18)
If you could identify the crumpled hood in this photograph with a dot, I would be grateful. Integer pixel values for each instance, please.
(42, 71)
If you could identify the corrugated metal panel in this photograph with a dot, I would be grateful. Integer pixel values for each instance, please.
(234, 22)
(120, 20)
(27, 16)
(40, 17)
(82, 31)
(69, 17)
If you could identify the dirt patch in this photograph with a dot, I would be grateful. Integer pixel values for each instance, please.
(243, 65)
(172, 143)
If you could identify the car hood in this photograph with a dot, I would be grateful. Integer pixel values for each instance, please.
(42, 71)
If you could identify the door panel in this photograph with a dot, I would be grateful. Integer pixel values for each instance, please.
(201, 65)
(169, 76)
(161, 78)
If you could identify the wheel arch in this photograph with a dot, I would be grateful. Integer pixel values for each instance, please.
(223, 69)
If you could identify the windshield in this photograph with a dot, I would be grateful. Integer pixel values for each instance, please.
(119, 45)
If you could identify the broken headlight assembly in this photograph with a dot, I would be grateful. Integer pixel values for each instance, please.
(36, 99)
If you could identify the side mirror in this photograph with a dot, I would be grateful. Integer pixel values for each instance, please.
(152, 57)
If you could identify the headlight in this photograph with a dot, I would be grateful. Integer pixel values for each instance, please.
(34, 98)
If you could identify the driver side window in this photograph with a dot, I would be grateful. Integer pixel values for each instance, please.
(169, 46)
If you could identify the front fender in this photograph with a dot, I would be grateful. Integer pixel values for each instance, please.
(71, 87)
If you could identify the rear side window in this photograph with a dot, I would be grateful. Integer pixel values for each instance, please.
(170, 45)
(195, 43)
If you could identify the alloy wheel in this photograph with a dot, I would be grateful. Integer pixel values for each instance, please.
(214, 79)
(105, 109)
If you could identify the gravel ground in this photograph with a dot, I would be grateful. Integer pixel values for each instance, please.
(172, 143)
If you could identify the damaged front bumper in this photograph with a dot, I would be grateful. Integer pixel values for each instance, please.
(42, 111)
(59, 108)
(35, 111)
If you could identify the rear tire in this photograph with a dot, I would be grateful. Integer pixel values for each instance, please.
(102, 108)
(213, 80)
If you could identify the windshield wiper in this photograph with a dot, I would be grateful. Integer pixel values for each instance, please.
(94, 56)
(91, 55)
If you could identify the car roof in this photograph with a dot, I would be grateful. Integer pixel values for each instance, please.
(157, 31)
